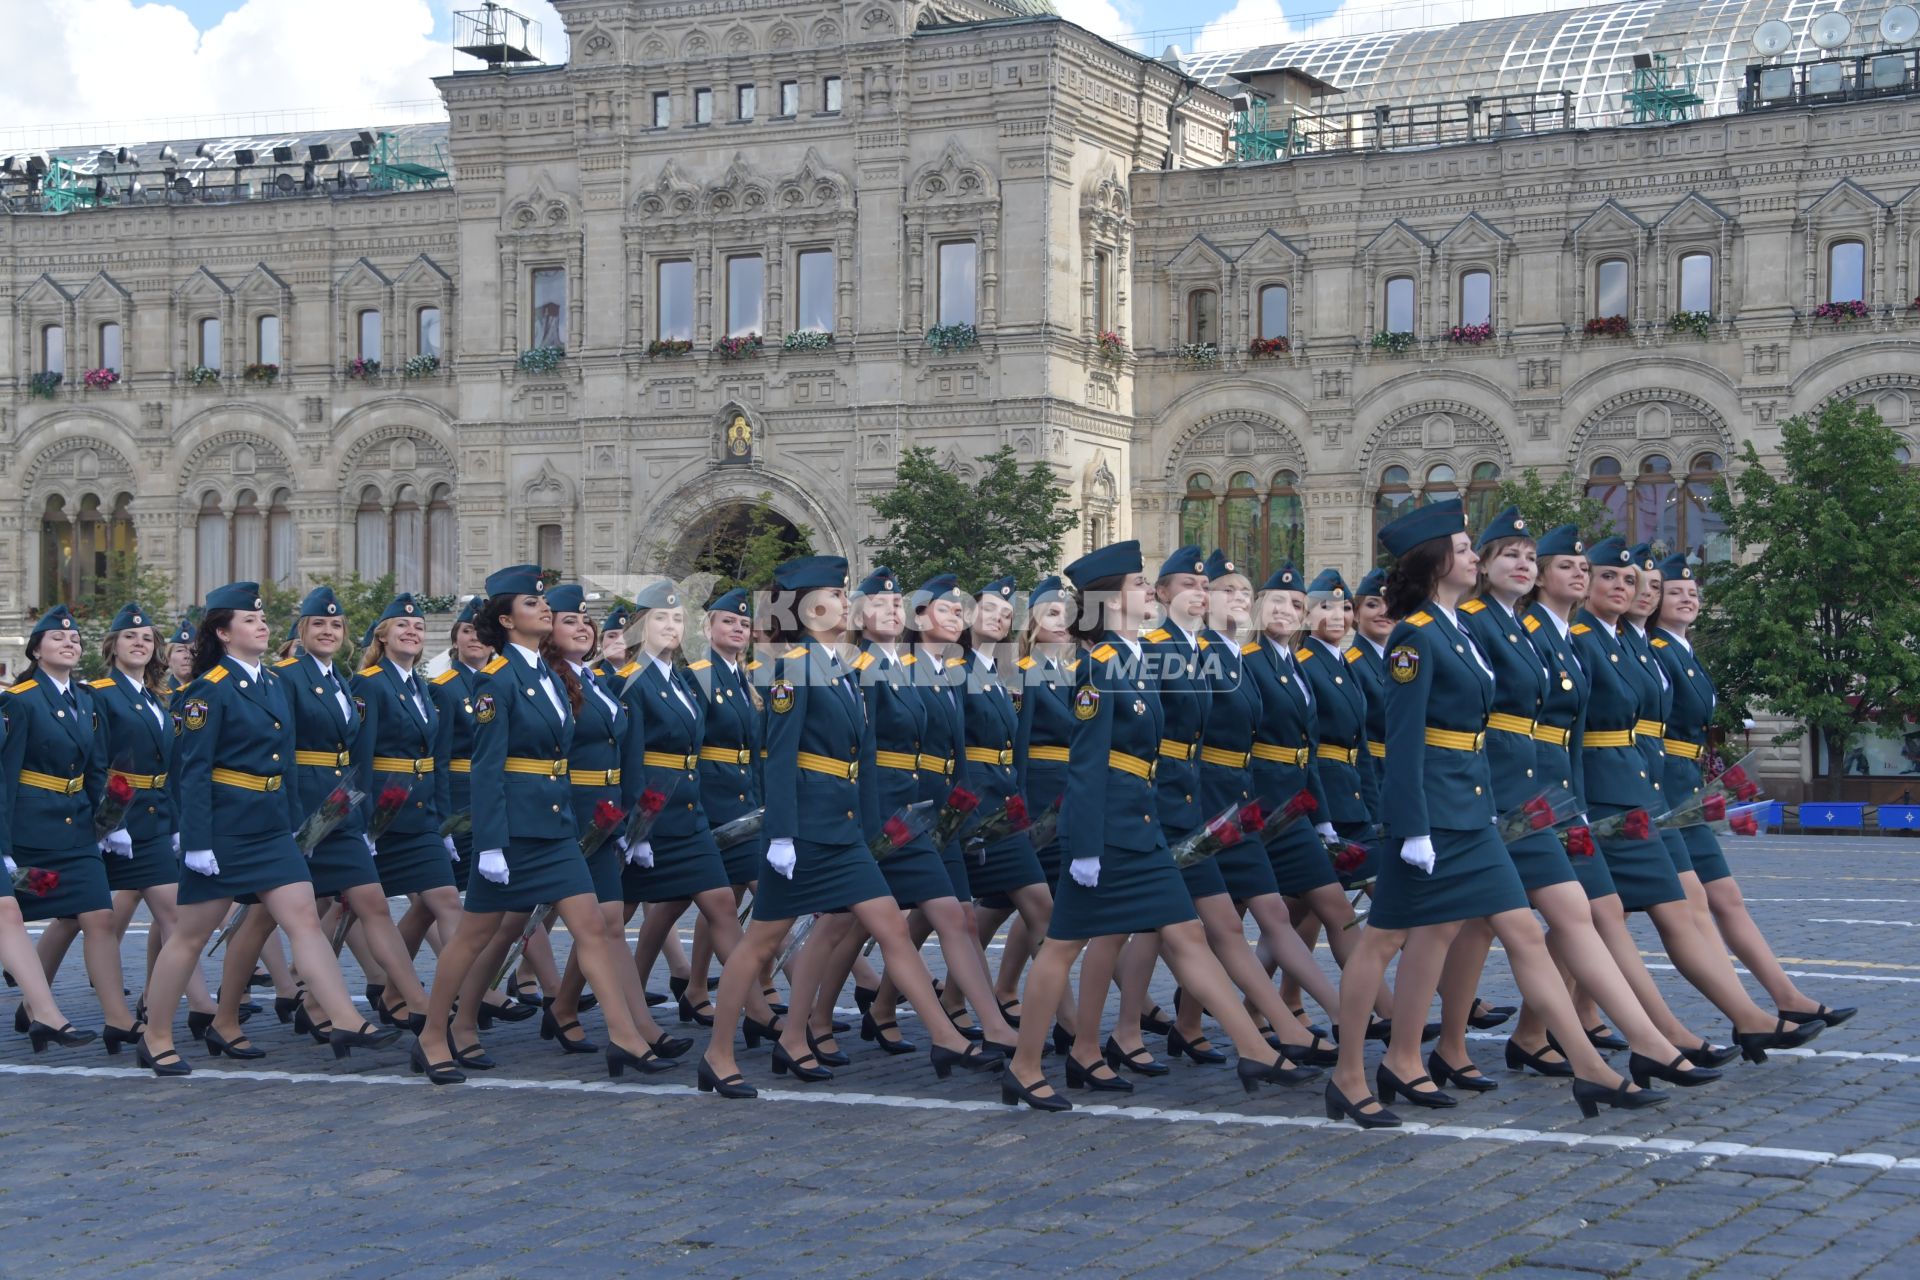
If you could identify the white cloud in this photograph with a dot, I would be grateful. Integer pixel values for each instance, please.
(1102, 17)
(1256, 22)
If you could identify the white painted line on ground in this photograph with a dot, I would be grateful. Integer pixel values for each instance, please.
(1898, 924)
(1462, 1133)
(1874, 901)
(1844, 1055)
(1812, 973)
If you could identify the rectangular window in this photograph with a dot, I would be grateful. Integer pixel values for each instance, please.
(744, 102)
(53, 349)
(675, 304)
(1610, 289)
(746, 295)
(1102, 273)
(703, 106)
(957, 282)
(427, 332)
(1203, 317)
(1847, 272)
(662, 110)
(830, 94)
(1476, 298)
(110, 353)
(266, 340)
(1400, 305)
(1273, 311)
(549, 307)
(789, 98)
(369, 346)
(815, 311)
(210, 343)
(1696, 282)
(548, 546)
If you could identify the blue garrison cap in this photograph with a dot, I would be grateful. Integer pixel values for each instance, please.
(1642, 553)
(1284, 578)
(1218, 566)
(734, 601)
(471, 612)
(1676, 568)
(235, 595)
(183, 634)
(130, 616)
(1048, 588)
(520, 580)
(58, 618)
(320, 603)
(401, 606)
(1436, 520)
(1508, 524)
(1374, 584)
(810, 573)
(1110, 561)
(1002, 587)
(1561, 540)
(1330, 584)
(567, 597)
(658, 595)
(1185, 560)
(1611, 551)
(878, 583)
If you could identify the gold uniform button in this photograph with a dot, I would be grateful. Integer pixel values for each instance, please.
(849, 812)
(1643, 773)
(1476, 791)
(1143, 817)
(69, 821)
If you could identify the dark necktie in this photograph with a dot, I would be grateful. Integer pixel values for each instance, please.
(71, 700)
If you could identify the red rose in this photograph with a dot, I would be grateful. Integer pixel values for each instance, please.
(1350, 858)
(652, 801)
(42, 882)
(963, 800)
(1714, 808)
(119, 790)
(607, 815)
(1301, 805)
(896, 832)
(1638, 825)
(1230, 835)
(1735, 778)
(1743, 824)
(1539, 811)
(1580, 842)
(393, 797)
(1017, 813)
(1747, 790)
(1252, 819)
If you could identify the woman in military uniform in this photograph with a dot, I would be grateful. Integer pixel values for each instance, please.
(1717, 900)
(817, 860)
(38, 1016)
(527, 843)
(54, 765)
(179, 658)
(1120, 877)
(1446, 863)
(237, 818)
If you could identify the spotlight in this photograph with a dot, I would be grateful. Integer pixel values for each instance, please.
(361, 147)
(107, 160)
(124, 156)
(183, 186)
(242, 158)
(306, 178)
(204, 151)
(283, 155)
(319, 151)
(284, 184)
(100, 190)
(1642, 62)
(169, 156)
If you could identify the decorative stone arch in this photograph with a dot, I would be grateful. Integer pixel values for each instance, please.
(732, 446)
(42, 303)
(695, 44)
(1260, 441)
(367, 440)
(739, 39)
(815, 186)
(228, 447)
(597, 46)
(1270, 260)
(823, 33)
(1611, 231)
(954, 197)
(398, 488)
(1397, 250)
(1647, 420)
(541, 229)
(783, 36)
(740, 192)
(672, 195)
(876, 22)
(1461, 434)
(1199, 266)
(1473, 244)
(708, 490)
(1887, 383)
(84, 467)
(1693, 224)
(86, 458)
(1099, 503)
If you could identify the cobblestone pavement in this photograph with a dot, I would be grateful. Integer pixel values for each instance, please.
(309, 1168)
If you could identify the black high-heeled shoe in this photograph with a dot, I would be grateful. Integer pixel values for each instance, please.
(647, 1064)
(414, 1023)
(1317, 1053)
(167, 1063)
(1313, 1029)
(755, 1030)
(1155, 1022)
(435, 1072)
(1444, 1073)
(65, 1035)
(733, 1086)
(474, 1057)
(114, 1038)
(588, 1002)
(1486, 1016)
(1079, 1077)
(20, 1020)
(375, 991)
(1012, 1019)
(1197, 1051)
(1519, 1059)
(1253, 1074)
(518, 991)
(1386, 1084)
(970, 1030)
(1117, 1057)
(1062, 1041)
(877, 1033)
(827, 1057)
(689, 1011)
(1753, 1044)
(973, 1058)
(1832, 1017)
(1340, 1108)
(771, 996)
(367, 1037)
(863, 997)
(198, 1023)
(551, 1028)
(304, 1025)
(1710, 1055)
(671, 1046)
(284, 1008)
(1643, 1069)
(658, 998)
(784, 1062)
(1013, 1093)
(241, 1050)
(1380, 1029)
(140, 1013)
(509, 1012)
(1604, 1039)
(1589, 1097)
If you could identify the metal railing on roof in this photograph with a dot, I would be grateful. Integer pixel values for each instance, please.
(1262, 133)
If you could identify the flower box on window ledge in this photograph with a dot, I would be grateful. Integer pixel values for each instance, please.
(201, 376)
(1608, 327)
(436, 604)
(1269, 347)
(363, 370)
(1392, 343)
(1112, 347)
(266, 373)
(808, 340)
(1199, 355)
(745, 347)
(101, 379)
(420, 367)
(541, 359)
(1841, 312)
(1470, 335)
(44, 384)
(669, 347)
(952, 337)
(1696, 323)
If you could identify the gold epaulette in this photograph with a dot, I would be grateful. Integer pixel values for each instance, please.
(106, 682)
(626, 672)
(955, 662)
(1352, 654)
(754, 665)
(499, 661)
(1302, 653)
(23, 686)
(1250, 648)
(1581, 629)
(1158, 635)
(1474, 606)
(216, 675)
(1659, 643)
(1074, 665)
(445, 676)
(287, 662)
(1027, 663)
(701, 665)
(1104, 653)
(370, 671)
(799, 651)
(864, 661)
(906, 660)
(1531, 623)
(1204, 642)
(1421, 619)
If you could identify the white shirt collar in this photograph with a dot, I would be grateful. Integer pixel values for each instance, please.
(1682, 641)
(1133, 644)
(1379, 650)
(1612, 629)
(60, 686)
(1638, 629)
(986, 659)
(253, 672)
(533, 659)
(661, 665)
(1324, 645)
(1560, 624)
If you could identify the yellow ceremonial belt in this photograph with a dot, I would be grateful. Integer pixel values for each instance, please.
(1178, 750)
(670, 760)
(594, 777)
(939, 764)
(846, 770)
(141, 781)
(1548, 733)
(905, 760)
(1649, 729)
(1340, 755)
(1132, 764)
(1056, 755)
(1224, 758)
(1685, 750)
(47, 782)
(726, 755)
(538, 768)
(1455, 740)
(401, 764)
(988, 755)
(460, 765)
(1296, 756)
(324, 759)
(1607, 738)
(1378, 750)
(246, 781)
(1510, 724)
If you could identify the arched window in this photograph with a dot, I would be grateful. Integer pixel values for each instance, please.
(207, 352)
(372, 557)
(1273, 311)
(1606, 486)
(1696, 282)
(1399, 305)
(409, 539)
(1394, 497)
(1610, 288)
(212, 546)
(1196, 511)
(1483, 494)
(1203, 317)
(1846, 271)
(1242, 520)
(81, 545)
(1440, 484)
(1656, 515)
(1702, 533)
(550, 543)
(441, 573)
(1286, 523)
(53, 349)
(280, 549)
(426, 331)
(1476, 298)
(249, 538)
(1902, 454)
(266, 340)
(367, 335)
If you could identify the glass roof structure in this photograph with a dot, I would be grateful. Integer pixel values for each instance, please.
(1588, 51)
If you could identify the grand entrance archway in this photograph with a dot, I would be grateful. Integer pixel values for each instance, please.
(735, 541)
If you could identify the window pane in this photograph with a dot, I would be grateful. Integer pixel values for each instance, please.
(789, 97)
(548, 540)
(1286, 532)
(370, 336)
(1612, 495)
(676, 301)
(267, 339)
(1400, 305)
(1393, 475)
(1656, 516)
(1440, 477)
(1476, 298)
(1241, 480)
(110, 347)
(429, 337)
(1196, 521)
(1483, 503)
(1847, 272)
(1241, 536)
(703, 106)
(1606, 466)
(1696, 282)
(1273, 311)
(210, 343)
(1387, 507)
(550, 307)
(1198, 482)
(816, 291)
(746, 102)
(1101, 262)
(1706, 534)
(1203, 316)
(1610, 288)
(746, 289)
(662, 110)
(830, 94)
(957, 283)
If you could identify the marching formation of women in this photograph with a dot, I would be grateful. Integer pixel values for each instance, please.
(1503, 736)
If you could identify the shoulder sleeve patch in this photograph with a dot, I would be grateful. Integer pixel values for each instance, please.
(370, 671)
(1474, 606)
(1421, 619)
(1104, 653)
(1250, 648)
(445, 677)
(106, 682)
(215, 676)
(287, 662)
(23, 686)
(701, 665)
(864, 661)
(1025, 664)
(499, 661)
(1531, 623)
(1582, 629)
(1403, 663)
(626, 672)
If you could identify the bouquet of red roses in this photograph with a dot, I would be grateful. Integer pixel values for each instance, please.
(1710, 805)
(1348, 856)
(38, 881)
(742, 829)
(1737, 780)
(1579, 841)
(1222, 831)
(331, 813)
(393, 798)
(953, 815)
(1300, 806)
(1715, 814)
(606, 817)
(905, 826)
(1551, 808)
(1010, 821)
(1630, 824)
(646, 811)
(112, 813)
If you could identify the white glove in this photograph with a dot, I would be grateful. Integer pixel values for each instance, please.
(12, 866)
(641, 855)
(176, 844)
(118, 843)
(201, 861)
(372, 850)
(1085, 872)
(781, 857)
(452, 852)
(1417, 851)
(493, 866)
(1327, 832)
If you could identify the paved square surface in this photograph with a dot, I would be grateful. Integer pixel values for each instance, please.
(305, 1167)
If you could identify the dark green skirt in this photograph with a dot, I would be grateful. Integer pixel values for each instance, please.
(1642, 870)
(1472, 877)
(1708, 858)
(1139, 891)
(538, 872)
(83, 881)
(153, 863)
(826, 877)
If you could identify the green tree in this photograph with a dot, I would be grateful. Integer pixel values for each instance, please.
(745, 552)
(1546, 506)
(1010, 521)
(1819, 622)
(127, 580)
(361, 601)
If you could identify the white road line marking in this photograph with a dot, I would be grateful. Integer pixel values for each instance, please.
(1844, 1055)
(1464, 1133)
(1812, 973)
(1874, 901)
(1898, 924)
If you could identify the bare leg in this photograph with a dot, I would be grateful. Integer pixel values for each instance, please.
(966, 967)
(1293, 956)
(1097, 965)
(1046, 988)
(1139, 957)
(1013, 960)
(384, 943)
(1459, 980)
(18, 958)
(758, 946)
(1728, 909)
(460, 955)
(1576, 942)
(808, 975)
(1704, 962)
(1185, 948)
(1228, 941)
(246, 945)
(179, 955)
(1610, 921)
(285, 981)
(56, 938)
(292, 905)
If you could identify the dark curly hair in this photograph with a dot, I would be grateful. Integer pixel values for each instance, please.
(1090, 605)
(487, 624)
(208, 647)
(1411, 580)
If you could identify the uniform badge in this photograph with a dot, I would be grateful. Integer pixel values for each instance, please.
(1403, 664)
(360, 705)
(1139, 707)
(176, 724)
(1086, 703)
(196, 713)
(780, 697)
(483, 708)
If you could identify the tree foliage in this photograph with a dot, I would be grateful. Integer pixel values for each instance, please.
(1564, 501)
(126, 580)
(1012, 520)
(1819, 621)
